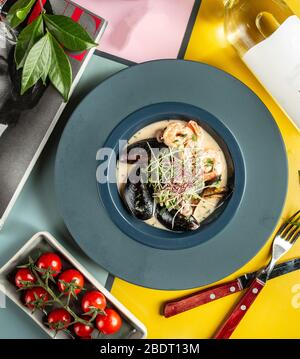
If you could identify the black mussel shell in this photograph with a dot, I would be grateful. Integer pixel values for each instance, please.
(141, 150)
(175, 221)
(139, 200)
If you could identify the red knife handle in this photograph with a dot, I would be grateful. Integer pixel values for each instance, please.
(205, 296)
(240, 310)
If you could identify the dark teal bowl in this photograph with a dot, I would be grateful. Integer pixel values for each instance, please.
(155, 237)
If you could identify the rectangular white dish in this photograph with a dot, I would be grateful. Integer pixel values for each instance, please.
(42, 242)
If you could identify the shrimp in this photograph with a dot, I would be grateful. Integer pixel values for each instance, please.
(211, 164)
(182, 135)
(187, 209)
(196, 139)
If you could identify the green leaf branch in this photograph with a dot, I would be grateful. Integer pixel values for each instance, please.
(19, 11)
(36, 63)
(40, 49)
(68, 32)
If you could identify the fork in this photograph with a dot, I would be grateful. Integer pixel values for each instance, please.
(284, 239)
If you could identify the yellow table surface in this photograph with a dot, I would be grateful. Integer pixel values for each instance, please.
(276, 312)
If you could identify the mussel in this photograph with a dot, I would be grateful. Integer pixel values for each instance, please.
(141, 151)
(175, 221)
(139, 199)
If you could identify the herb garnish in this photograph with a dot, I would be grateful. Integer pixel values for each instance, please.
(176, 178)
(194, 137)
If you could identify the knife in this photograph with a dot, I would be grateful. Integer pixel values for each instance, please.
(219, 291)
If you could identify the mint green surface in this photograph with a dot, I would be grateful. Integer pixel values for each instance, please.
(36, 209)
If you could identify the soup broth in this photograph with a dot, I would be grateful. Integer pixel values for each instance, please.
(206, 206)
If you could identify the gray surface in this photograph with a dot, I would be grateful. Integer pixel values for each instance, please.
(22, 140)
(172, 81)
(36, 210)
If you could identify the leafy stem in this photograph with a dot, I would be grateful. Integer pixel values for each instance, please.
(42, 6)
(40, 49)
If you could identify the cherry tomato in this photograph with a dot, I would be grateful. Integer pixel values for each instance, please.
(82, 330)
(50, 260)
(35, 298)
(109, 323)
(93, 301)
(24, 275)
(74, 280)
(59, 319)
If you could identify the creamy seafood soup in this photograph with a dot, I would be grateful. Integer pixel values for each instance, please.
(190, 179)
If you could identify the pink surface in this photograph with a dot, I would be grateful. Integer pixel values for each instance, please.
(141, 30)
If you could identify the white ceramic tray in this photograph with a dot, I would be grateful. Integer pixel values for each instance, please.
(42, 242)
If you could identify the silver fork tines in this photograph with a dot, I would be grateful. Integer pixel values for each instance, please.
(286, 236)
(288, 225)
